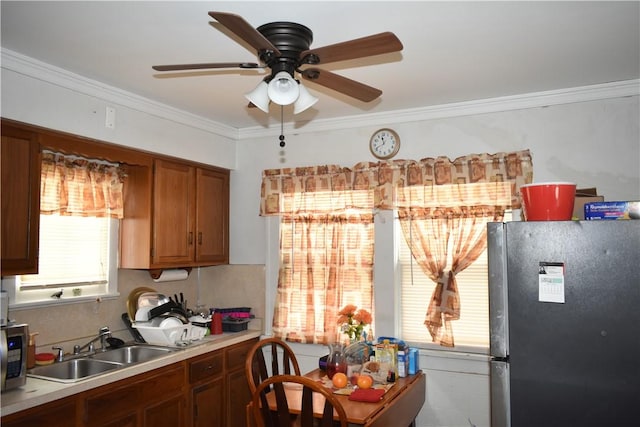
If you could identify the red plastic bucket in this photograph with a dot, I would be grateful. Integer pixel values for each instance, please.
(548, 201)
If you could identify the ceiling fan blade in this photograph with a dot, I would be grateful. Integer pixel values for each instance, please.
(244, 30)
(376, 44)
(341, 84)
(179, 67)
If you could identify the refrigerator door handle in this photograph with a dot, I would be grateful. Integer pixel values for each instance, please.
(498, 298)
(500, 394)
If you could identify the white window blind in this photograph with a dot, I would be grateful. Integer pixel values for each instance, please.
(472, 329)
(78, 255)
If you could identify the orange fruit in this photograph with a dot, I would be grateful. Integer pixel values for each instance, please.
(339, 380)
(365, 382)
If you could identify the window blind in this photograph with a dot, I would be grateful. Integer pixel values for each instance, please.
(472, 329)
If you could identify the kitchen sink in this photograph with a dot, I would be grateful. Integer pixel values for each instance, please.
(73, 370)
(132, 354)
(81, 368)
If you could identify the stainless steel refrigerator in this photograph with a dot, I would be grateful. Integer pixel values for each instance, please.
(564, 302)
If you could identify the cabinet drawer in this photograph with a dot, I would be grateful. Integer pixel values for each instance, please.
(237, 354)
(61, 413)
(208, 366)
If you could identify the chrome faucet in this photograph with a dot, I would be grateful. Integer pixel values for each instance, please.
(103, 334)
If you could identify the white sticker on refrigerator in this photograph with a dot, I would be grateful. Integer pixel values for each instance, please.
(551, 282)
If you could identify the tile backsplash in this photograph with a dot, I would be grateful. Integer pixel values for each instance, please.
(74, 323)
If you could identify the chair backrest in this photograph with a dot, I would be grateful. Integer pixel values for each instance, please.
(283, 361)
(308, 391)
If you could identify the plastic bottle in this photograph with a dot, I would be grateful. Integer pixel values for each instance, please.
(31, 350)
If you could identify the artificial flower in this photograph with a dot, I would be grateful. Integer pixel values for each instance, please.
(353, 321)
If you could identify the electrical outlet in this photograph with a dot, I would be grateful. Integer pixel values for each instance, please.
(110, 119)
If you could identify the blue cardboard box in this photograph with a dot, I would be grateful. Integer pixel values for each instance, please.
(612, 210)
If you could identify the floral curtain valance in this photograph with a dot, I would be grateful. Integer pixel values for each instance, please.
(80, 187)
(430, 183)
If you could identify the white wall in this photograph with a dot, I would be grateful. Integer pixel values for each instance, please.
(593, 140)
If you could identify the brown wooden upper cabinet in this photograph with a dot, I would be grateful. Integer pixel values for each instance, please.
(189, 213)
(20, 200)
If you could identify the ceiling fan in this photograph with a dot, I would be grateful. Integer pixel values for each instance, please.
(284, 47)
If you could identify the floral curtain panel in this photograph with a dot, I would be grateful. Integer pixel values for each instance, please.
(443, 207)
(80, 187)
(326, 247)
(326, 262)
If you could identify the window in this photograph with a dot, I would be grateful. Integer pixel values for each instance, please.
(472, 328)
(78, 256)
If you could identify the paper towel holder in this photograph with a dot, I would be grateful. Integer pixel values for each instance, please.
(157, 272)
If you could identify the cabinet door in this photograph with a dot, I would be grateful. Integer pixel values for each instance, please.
(173, 214)
(212, 216)
(238, 396)
(169, 413)
(208, 404)
(20, 168)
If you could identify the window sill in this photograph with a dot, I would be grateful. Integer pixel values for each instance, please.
(62, 301)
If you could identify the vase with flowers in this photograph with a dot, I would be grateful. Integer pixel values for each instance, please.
(353, 321)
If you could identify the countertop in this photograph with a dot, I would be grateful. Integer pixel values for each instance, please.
(38, 391)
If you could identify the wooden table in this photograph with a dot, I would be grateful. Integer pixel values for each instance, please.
(399, 406)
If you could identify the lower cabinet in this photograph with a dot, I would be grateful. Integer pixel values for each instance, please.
(208, 390)
(60, 413)
(220, 392)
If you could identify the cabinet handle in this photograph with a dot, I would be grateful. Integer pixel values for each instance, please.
(200, 237)
(191, 237)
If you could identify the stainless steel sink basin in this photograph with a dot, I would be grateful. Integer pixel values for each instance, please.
(73, 370)
(81, 368)
(133, 354)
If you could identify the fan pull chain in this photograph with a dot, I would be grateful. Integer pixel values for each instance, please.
(282, 142)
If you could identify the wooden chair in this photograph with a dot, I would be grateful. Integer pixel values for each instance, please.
(308, 391)
(283, 361)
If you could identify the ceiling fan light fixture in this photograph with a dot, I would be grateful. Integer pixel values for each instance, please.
(304, 101)
(259, 96)
(283, 89)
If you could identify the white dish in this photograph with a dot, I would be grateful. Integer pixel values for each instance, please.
(169, 322)
(142, 314)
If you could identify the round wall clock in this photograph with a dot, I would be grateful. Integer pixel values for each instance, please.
(384, 143)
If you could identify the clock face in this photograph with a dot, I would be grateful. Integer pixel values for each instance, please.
(384, 143)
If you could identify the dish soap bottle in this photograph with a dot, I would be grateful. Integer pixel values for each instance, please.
(31, 350)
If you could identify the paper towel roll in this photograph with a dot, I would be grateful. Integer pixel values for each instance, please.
(172, 275)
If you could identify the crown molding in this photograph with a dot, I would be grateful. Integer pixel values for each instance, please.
(493, 105)
(45, 72)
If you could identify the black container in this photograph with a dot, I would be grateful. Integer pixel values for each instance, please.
(235, 325)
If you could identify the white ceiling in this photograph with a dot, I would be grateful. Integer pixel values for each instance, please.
(453, 51)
